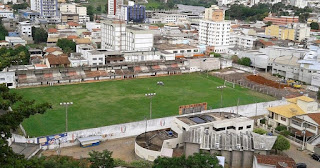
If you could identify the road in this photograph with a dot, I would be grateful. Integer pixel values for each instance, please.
(302, 157)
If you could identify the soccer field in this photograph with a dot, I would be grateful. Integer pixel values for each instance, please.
(113, 102)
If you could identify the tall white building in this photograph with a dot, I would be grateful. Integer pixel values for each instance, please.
(299, 3)
(215, 31)
(46, 8)
(114, 7)
(116, 35)
(25, 29)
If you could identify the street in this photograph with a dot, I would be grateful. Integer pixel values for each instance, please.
(302, 157)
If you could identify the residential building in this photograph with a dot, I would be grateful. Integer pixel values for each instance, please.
(225, 2)
(29, 14)
(10, 24)
(11, 1)
(242, 41)
(215, 31)
(93, 25)
(9, 78)
(299, 3)
(272, 161)
(300, 114)
(280, 32)
(140, 56)
(95, 57)
(13, 41)
(6, 13)
(282, 20)
(47, 9)
(114, 7)
(302, 31)
(69, 17)
(25, 29)
(4, 43)
(133, 13)
(116, 35)
(214, 13)
(57, 61)
(67, 8)
(180, 50)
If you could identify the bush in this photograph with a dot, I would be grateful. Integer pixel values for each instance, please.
(285, 133)
(263, 121)
(216, 55)
(260, 131)
(244, 61)
(281, 128)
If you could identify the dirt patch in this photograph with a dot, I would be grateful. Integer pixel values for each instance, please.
(264, 81)
(122, 149)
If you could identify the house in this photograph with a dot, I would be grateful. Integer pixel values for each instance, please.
(4, 43)
(13, 41)
(8, 78)
(57, 61)
(82, 41)
(301, 114)
(74, 25)
(273, 161)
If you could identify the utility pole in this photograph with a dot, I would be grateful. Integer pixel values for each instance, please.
(238, 108)
(66, 104)
(150, 95)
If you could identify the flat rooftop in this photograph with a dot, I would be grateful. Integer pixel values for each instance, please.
(209, 117)
(174, 46)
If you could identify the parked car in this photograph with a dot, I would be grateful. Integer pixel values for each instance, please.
(301, 165)
(316, 157)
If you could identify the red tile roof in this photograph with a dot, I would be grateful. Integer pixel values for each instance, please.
(275, 160)
(315, 117)
(71, 37)
(52, 30)
(266, 43)
(86, 33)
(96, 30)
(58, 60)
(52, 49)
(72, 24)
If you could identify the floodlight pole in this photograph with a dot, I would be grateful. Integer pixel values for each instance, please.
(66, 104)
(150, 95)
(221, 95)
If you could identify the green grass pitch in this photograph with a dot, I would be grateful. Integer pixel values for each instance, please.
(114, 102)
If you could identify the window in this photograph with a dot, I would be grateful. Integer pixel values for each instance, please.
(94, 58)
(231, 127)
(283, 119)
(248, 126)
(94, 64)
(188, 50)
(240, 128)
(100, 59)
(181, 51)
(296, 122)
(175, 51)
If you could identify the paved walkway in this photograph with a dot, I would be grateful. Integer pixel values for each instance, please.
(122, 149)
(302, 157)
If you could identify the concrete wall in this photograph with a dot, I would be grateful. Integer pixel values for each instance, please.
(191, 148)
(136, 128)
(244, 68)
(146, 154)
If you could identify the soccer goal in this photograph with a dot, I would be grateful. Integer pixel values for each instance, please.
(230, 84)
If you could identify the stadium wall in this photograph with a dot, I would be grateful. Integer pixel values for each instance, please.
(136, 128)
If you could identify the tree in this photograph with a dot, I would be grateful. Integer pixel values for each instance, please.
(314, 26)
(21, 109)
(318, 94)
(101, 159)
(98, 8)
(14, 56)
(260, 131)
(3, 31)
(244, 61)
(90, 12)
(203, 159)
(39, 35)
(16, 7)
(281, 128)
(281, 144)
(235, 59)
(269, 23)
(66, 45)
